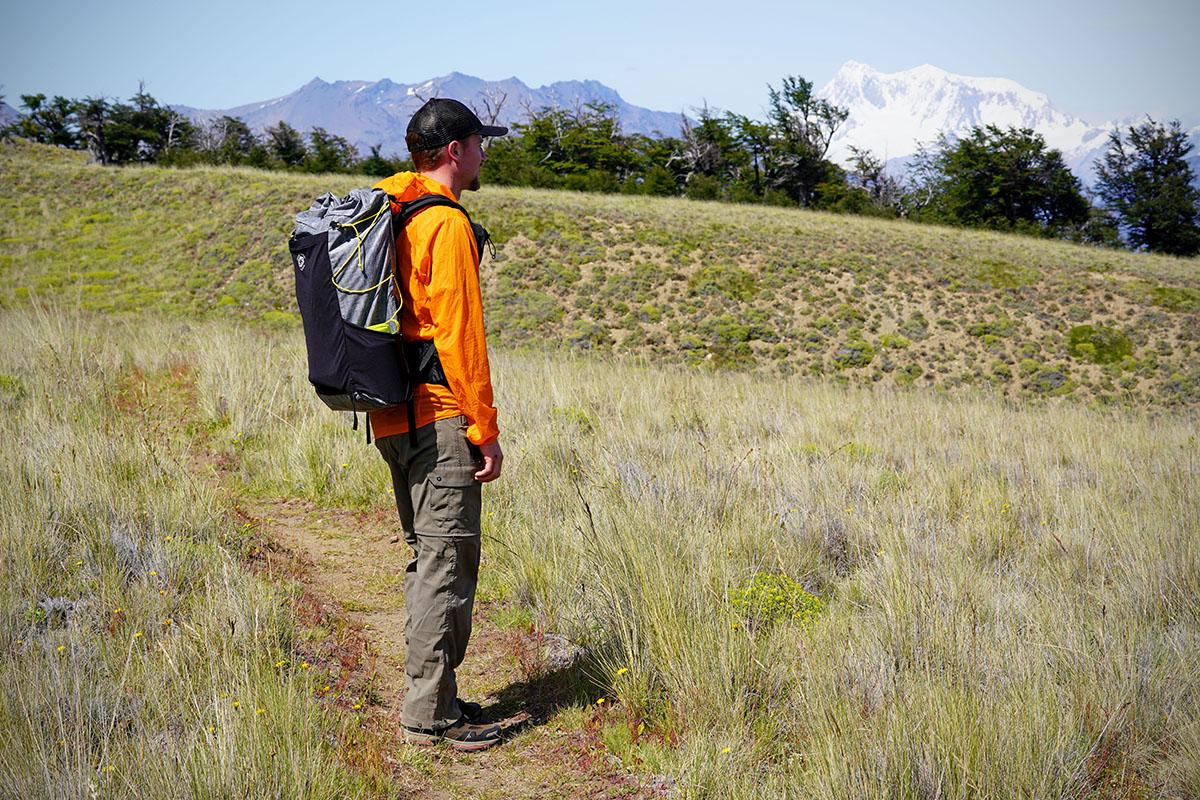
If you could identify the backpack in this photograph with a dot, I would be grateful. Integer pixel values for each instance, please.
(343, 252)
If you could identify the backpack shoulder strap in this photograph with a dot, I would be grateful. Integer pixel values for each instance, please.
(413, 207)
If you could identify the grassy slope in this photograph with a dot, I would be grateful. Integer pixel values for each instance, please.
(774, 290)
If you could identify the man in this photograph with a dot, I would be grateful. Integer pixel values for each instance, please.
(437, 473)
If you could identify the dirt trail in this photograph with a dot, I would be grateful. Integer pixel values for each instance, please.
(350, 567)
(354, 562)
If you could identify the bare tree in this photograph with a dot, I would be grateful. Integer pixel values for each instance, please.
(493, 99)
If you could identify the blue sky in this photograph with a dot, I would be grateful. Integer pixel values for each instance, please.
(1099, 59)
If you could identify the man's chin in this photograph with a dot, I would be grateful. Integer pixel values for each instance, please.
(474, 185)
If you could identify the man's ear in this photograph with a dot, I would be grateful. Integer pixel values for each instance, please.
(455, 150)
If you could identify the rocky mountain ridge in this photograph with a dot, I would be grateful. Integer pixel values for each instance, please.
(369, 113)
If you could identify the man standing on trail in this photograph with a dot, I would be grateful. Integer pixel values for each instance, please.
(438, 470)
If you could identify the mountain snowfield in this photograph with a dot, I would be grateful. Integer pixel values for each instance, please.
(892, 113)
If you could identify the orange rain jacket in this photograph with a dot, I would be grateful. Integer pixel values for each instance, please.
(439, 287)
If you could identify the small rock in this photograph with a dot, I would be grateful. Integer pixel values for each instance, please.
(394, 539)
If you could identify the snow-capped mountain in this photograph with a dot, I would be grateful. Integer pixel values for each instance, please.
(376, 112)
(890, 113)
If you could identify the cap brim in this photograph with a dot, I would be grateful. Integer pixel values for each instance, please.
(493, 130)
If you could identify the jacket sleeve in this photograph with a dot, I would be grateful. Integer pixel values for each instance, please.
(456, 308)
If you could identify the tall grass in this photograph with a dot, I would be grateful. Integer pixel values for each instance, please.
(139, 658)
(1009, 592)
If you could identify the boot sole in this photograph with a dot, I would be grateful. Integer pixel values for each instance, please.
(431, 739)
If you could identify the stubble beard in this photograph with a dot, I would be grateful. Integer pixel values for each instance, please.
(474, 185)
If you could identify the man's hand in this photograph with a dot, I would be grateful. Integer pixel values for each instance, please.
(493, 457)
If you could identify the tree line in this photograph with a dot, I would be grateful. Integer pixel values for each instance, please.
(1004, 179)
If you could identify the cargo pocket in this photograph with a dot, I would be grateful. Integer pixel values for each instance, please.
(454, 499)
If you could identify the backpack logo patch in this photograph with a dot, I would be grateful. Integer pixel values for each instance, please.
(300, 262)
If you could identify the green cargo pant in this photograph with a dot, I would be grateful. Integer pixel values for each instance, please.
(438, 499)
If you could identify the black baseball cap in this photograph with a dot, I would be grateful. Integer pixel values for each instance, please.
(442, 121)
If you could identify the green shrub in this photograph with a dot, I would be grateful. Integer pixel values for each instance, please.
(768, 599)
(915, 328)
(1004, 275)
(1097, 344)
(825, 325)
(725, 281)
(1050, 381)
(589, 336)
(854, 354)
(1002, 326)
(848, 313)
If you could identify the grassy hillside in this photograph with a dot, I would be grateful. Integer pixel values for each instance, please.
(774, 291)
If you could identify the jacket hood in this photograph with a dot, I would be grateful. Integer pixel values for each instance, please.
(406, 186)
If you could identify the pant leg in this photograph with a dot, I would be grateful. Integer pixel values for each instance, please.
(438, 501)
(439, 593)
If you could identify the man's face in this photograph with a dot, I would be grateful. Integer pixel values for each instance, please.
(470, 158)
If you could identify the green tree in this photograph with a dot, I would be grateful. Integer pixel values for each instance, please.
(380, 167)
(1008, 179)
(585, 141)
(94, 116)
(754, 139)
(869, 175)
(47, 122)
(141, 130)
(1147, 183)
(803, 126)
(711, 147)
(229, 140)
(286, 145)
(160, 131)
(329, 153)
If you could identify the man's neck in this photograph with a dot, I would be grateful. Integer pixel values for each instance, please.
(448, 177)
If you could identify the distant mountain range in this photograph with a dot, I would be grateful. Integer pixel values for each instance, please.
(890, 113)
(7, 113)
(370, 113)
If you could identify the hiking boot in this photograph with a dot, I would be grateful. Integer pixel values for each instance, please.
(462, 735)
